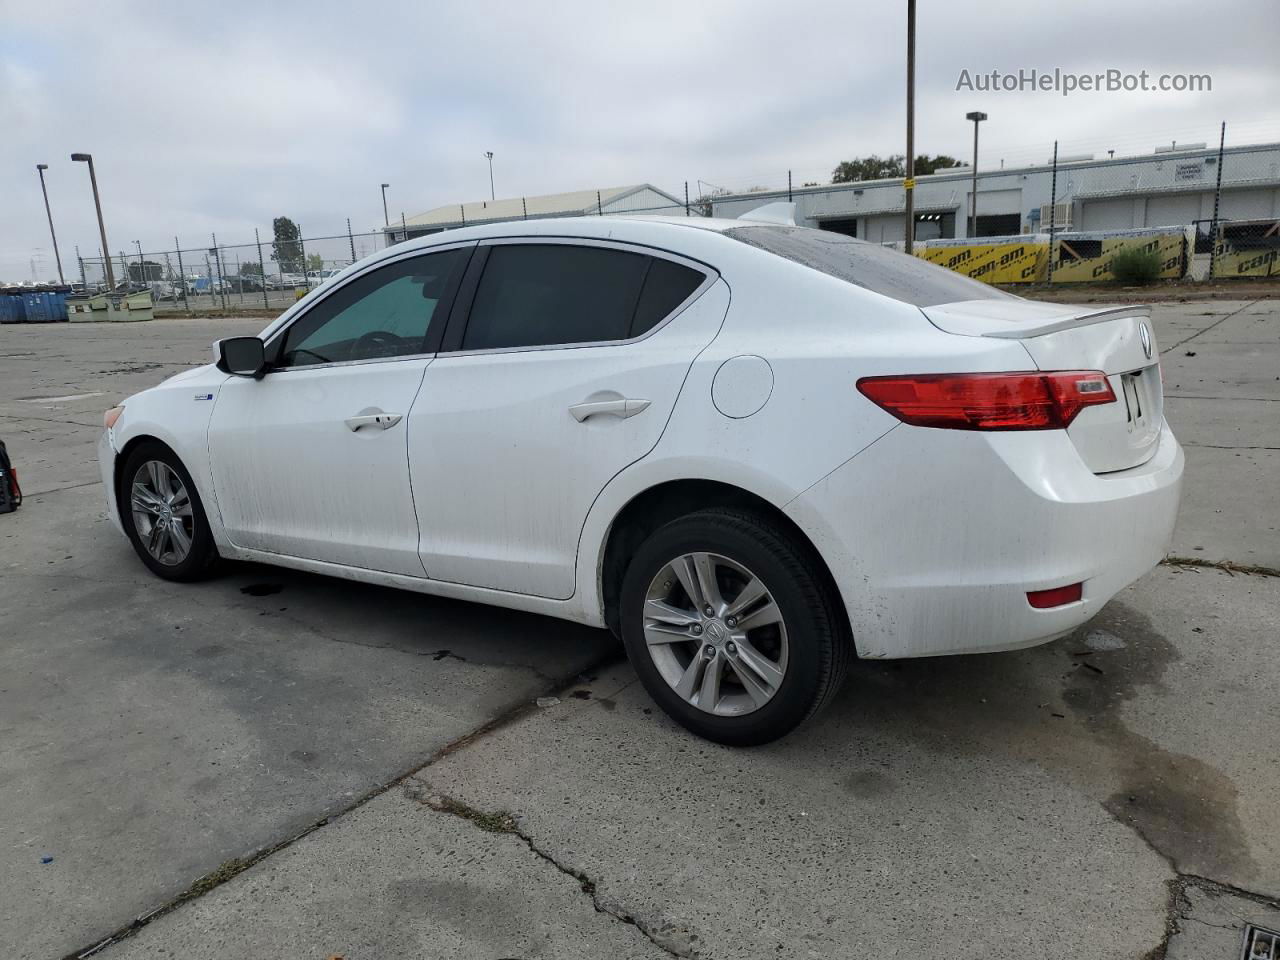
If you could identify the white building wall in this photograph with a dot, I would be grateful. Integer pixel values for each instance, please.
(1154, 190)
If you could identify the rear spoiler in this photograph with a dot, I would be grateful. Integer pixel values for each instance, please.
(1013, 318)
(1084, 318)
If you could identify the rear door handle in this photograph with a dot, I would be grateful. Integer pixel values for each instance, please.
(614, 408)
(382, 420)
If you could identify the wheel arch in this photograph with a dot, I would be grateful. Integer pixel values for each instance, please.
(122, 456)
(663, 502)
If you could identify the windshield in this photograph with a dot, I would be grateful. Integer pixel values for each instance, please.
(878, 269)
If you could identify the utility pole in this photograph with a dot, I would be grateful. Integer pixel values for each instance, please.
(102, 230)
(1217, 195)
(489, 155)
(386, 219)
(40, 169)
(909, 182)
(977, 117)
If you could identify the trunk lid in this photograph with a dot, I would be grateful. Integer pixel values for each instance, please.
(1058, 336)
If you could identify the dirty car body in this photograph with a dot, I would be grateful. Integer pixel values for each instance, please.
(519, 413)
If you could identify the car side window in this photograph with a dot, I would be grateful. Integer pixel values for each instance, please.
(548, 294)
(666, 286)
(384, 313)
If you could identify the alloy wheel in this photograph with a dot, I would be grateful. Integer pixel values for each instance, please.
(162, 512)
(715, 634)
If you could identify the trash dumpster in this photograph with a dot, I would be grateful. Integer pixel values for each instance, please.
(36, 307)
(112, 306)
(12, 308)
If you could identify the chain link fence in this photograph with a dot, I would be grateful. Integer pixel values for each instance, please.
(1197, 210)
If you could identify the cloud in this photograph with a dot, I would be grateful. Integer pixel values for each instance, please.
(206, 119)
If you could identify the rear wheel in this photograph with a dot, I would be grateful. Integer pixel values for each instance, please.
(732, 626)
(163, 515)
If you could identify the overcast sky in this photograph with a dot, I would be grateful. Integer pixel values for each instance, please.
(219, 116)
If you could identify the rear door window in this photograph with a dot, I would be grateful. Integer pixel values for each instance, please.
(878, 269)
(553, 294)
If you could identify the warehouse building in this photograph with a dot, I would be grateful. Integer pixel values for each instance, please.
(637, 198)
(1172, 186)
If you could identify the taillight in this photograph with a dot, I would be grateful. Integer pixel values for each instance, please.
(989, 401)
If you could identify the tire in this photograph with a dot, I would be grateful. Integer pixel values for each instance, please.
(806, 645)
(201, 554)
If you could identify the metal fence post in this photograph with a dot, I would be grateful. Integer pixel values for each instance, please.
(599, 205)
(217, 260)
(302, 248)
(1053, 207)
(524, 207)
(262, 270)
(1217, 196)
(463, 211)
(404, 227)
(350, 239)
(686, 198)
(182, 274)
(788, 186)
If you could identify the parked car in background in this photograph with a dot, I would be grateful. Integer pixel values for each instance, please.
(751, 450)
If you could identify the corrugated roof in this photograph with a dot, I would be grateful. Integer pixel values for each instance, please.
(512, 208)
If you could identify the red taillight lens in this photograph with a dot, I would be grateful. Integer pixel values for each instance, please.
(989, 401)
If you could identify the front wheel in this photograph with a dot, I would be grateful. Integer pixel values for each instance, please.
(163, 515)
(732, 626)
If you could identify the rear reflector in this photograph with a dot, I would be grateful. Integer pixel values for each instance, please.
(989, 401)
(1043, 599)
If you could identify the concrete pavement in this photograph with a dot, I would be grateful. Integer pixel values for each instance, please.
(1110, 795)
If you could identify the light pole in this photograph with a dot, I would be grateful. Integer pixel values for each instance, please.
(909, 182)
(977, 117)
(489, 156)
(40, 169)
(142, 271)
(386, 220)
(102, 230)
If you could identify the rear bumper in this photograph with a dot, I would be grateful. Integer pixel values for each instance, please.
(935, 537)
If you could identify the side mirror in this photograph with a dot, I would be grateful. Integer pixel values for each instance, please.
(243, 357)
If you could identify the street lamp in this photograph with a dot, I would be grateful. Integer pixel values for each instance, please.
(489, 156)
(977, 117)
(909, 181)
(386, 220)
(40, 169)
(102, 230)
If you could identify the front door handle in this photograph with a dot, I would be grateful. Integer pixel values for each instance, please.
(614, 408)
(382, 420)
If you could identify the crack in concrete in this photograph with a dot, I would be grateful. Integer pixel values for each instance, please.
(1226, 566)
(422, 792)
(232, 868)
(1179, 907)
(1215, 323)
(1226, 446)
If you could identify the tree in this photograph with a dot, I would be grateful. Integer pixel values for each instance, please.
(315, 263)
(888, 168)
(867, 168)
(926, 164)
(145, 272)
(251, 269)
(286, 248)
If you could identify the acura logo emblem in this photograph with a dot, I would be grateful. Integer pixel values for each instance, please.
(715, 632)
(1145, 333)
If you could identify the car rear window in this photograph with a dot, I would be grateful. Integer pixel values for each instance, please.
(876, 268)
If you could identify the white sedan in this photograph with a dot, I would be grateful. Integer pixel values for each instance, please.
(751, 450)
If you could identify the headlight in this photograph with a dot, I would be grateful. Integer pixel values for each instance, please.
(111, 416)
